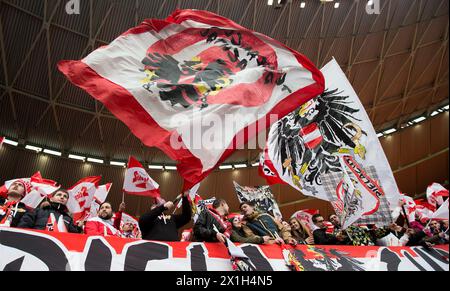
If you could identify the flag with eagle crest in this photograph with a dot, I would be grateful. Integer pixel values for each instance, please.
(193, 70)
(305, 149)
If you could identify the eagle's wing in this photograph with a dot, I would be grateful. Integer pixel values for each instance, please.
(289, 142)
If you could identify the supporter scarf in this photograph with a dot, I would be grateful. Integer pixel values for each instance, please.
(9, 209)
(225, 224)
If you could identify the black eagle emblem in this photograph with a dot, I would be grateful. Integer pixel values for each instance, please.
(309, 137)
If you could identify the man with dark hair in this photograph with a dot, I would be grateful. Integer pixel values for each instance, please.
(320, 235)
(102, 224)
(438, 234)
(263, 224)
(52, 215)
(334, 220)
(212, 225)
(11, 209)
(155, 225)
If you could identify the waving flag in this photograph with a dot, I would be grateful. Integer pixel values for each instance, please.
(40, 188)
(305, 147)
(81, 196)
(410, 207)
(165, 78)
(353, 199)
(138, 181)
(435, 194)
(442, 212)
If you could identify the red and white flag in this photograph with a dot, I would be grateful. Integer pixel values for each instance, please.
(442, 212)
(40, 188)
(99, 197)
(165, 78)
(138, 182)
(435, 194)
(424, 210)
(2, 139)
(410, 207)
(81, 196)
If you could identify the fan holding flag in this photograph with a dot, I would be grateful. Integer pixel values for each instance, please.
(155, 225)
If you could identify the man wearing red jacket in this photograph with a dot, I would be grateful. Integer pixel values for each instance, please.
(102, 224)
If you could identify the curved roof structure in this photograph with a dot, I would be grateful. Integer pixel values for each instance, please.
(397, 61)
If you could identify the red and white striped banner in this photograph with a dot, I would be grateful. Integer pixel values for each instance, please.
(65, 251)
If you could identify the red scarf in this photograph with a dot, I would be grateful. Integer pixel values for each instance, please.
(7, 209)
(225, 224)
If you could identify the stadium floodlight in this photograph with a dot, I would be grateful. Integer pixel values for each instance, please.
(76, 157)
(93, 160)
(239, 166)
(114, 163)
(155, 167)
(33, 148)
(226, 167)
(419, 119)
(52, 152)
(10, 142)
(389, 131)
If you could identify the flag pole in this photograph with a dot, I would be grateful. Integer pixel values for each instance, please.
(406, 216)
(123, 197)
(176, 202)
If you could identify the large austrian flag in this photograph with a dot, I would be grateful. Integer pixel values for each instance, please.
(81, 196)
(167, 78)
(138, 182)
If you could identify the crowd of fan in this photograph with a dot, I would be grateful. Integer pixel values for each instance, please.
(215, 224)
